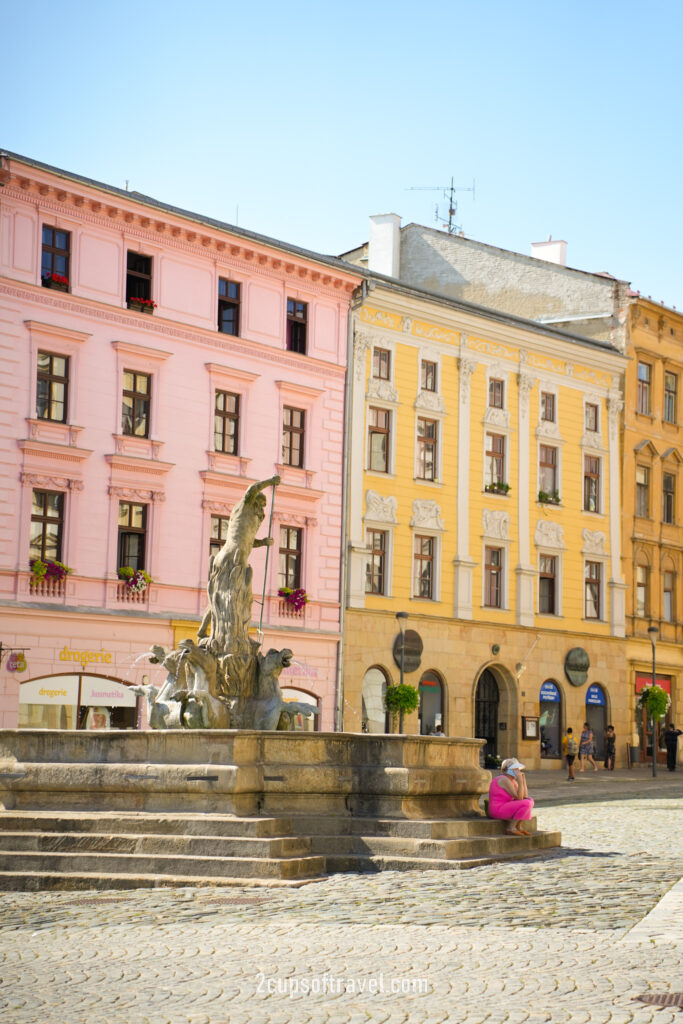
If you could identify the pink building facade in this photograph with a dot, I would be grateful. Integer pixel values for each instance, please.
(154, 363)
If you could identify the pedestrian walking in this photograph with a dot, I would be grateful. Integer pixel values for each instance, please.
(509, 797)
(671, 735)
(570, 749)
(610, 741)
(587, 747)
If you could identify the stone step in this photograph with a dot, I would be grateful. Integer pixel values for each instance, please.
(460, 828)
(173, 845)
(358, 863)
(40, 881)
(447, 850)
(160, 864)
(145, 822)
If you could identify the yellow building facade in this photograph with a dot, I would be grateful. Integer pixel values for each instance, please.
(484, 502)
(652, 505)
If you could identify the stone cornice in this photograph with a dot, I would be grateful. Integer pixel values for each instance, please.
(157, 327)
(173, 230)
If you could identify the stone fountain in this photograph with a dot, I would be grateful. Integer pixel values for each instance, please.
(224, 681)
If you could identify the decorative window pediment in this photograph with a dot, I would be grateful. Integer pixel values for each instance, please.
(379, 509)
(549, 535)
(427, 516)
(593, 542)
(495, 524)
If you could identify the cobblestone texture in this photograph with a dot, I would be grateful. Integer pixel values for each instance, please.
(546, 939)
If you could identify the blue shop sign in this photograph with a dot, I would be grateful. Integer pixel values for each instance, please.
(594, 695)
(550, 693)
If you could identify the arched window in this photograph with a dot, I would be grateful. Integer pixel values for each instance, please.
(486, 712)
(431, 703)
(301, 723)
(550, 720)
(375, 718)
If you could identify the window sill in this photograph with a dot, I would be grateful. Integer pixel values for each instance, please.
(497, 494)
(383, 475)
(429, 483)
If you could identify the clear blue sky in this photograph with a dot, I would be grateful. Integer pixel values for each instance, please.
(308, 117)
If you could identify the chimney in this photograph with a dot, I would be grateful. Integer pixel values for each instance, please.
(384, 248)
(551, 251)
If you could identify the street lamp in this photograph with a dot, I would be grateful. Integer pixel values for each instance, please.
(652, 632)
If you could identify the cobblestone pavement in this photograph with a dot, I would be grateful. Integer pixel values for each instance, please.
(563, 937)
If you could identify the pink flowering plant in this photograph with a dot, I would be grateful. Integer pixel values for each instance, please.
(135, 579)
(297, 598)
(50, 569)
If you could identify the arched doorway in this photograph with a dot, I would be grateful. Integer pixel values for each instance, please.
(486, 703)
(302, 724)
(375, 718)
(431, 703)
(596, 716)
(550, 719)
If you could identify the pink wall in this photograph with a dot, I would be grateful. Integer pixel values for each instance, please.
(175, 473)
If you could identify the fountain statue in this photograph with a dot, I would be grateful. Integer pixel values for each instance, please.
(223, 681)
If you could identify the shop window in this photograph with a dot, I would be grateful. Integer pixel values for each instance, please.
(591, 484)
(493, 577)
(54, 267)
(379, 436)
(423, 560)
(47, 525)
(138, 277)
(428, 376)
(550, 719)
(137, 393)
(548, 406)
(293, 426)
(219, 533)
(375, 570)
(132, 535)
(226, 422)
(228, 306)
(669, 498)
(426, 449)
(496, 393)
(593, 590)
(644, 381)
(547, 585)
(642, 491)
(431, 707)
(52, 387)
(290, 557)
(381, 364)
(297, 323)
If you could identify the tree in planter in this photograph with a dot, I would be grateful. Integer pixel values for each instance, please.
(399, 701)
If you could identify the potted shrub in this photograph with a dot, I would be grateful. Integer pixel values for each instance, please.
(135, 579)
(546, 498)
(297, 598)
(50, 569)
(141, 305)
(399, 701)
(57, 281)
(497, 488)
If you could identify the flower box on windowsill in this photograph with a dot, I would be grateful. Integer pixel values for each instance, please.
(548, 499)
(56, 281)
(142, 305)
(135, 584)
(497, 488)
(47, 578)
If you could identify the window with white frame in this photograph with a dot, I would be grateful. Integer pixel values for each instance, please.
(642, 491)
(642, 590)
(644, 385)
(381, 364)
(424, 557)
(670, 397)
(592, 417)
(427, 437)
(493, 577)
(547, 584)
(547, 473)
(428, 375)
(669, 498)
(593, 590)
(496, 393)
(376, 566)
(548, 411)
(592, 472)
(379, 439)
(668, 584)
(494, 460)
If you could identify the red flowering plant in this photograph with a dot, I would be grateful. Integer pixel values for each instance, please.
(50, 569)
(57, 278)
(297, 598)
(142, 302)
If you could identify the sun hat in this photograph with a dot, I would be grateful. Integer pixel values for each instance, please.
(512, 762)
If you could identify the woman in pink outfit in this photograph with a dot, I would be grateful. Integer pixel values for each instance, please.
(509, 797)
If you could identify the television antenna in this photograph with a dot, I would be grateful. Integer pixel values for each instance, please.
(448, 194)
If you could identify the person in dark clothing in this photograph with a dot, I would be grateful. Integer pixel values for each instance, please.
(671, 739)
(610, 747)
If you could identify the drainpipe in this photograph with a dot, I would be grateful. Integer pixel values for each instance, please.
(346, 472)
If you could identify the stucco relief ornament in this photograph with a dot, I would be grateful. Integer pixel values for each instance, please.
(406, 324)
(362, 341)
(497, 418)
(593, 542)
(430, 401)
(467, 368)
(548, 535)
(496, 524)
(427, 514)
(379, 509)
(384, 390)
(526, 383)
